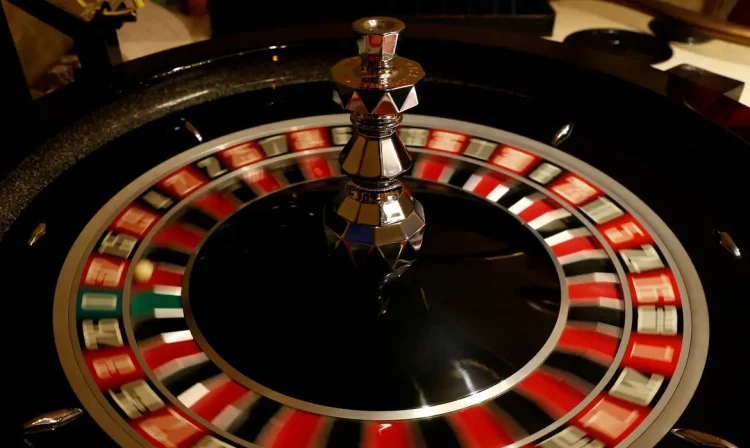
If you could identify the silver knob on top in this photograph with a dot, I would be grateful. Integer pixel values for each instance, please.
(377, 39)
(376, 219)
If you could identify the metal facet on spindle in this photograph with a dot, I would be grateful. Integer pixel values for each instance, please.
(376, 218)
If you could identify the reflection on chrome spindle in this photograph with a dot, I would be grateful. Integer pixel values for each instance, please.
(376, 222)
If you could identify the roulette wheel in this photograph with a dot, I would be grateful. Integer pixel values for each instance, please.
(528, 258)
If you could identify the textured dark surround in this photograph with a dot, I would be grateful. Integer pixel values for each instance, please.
(60, 152)
(157, 85)
(196, 85)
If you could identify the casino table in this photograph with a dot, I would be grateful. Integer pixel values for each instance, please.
(181, 272)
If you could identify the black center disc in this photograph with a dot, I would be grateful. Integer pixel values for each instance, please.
(478, 304)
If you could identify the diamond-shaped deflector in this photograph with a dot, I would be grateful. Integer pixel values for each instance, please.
(354, 90)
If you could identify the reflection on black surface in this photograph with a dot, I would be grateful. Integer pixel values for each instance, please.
(273, 304)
